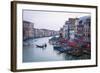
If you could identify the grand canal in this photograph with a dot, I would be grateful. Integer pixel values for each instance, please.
(31, 53)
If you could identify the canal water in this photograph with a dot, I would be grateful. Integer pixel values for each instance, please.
(31, 53)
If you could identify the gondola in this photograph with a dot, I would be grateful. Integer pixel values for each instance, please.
(40, 46)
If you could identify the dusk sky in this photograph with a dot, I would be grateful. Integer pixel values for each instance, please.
(50, 20)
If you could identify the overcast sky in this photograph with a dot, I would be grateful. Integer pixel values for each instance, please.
(49, 20)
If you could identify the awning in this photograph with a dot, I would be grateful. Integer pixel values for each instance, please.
(72, 44)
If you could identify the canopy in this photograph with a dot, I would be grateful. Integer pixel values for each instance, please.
(73, 44)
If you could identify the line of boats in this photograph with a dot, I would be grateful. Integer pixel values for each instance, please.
(70, 47)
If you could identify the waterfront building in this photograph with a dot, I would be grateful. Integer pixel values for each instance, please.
(86, 21)
(28, 28)
(69, 28)
(72, 23)
(76, 24)
(39, 33)
(83, 28)
(66, 30)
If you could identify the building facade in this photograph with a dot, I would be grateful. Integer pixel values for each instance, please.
(78, 28)
(83, 30)
(28, 28)
(69, 28)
